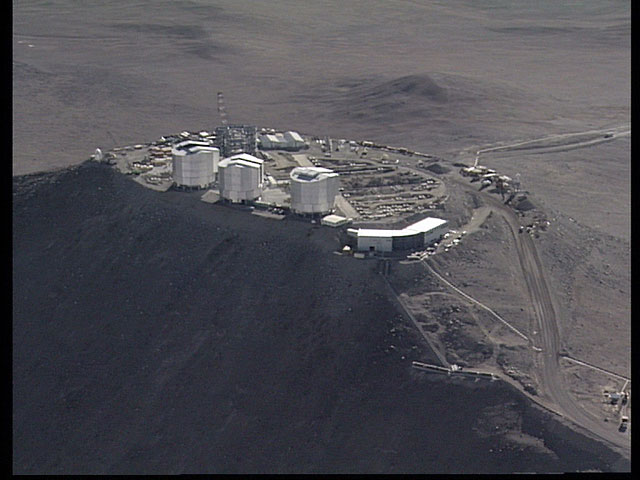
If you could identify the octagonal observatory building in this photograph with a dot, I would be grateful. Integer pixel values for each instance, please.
(313, 190)
(194, 164)
(240, 178)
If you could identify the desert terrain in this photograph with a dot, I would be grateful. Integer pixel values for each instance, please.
(450, 79)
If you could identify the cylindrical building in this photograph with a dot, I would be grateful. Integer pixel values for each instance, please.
(239, 180)
(194, 164)
(313, 190)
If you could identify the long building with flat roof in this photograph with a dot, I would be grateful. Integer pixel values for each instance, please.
(416, 235)
(281, 141)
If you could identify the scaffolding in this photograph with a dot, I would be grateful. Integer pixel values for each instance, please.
(234, 139)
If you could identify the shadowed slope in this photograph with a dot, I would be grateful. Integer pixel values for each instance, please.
(159, 334)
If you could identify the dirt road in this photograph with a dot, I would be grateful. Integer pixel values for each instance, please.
(548, 337)
(430, 269)
(560, 142)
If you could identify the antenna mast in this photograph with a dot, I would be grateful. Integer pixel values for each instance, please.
(221, 110)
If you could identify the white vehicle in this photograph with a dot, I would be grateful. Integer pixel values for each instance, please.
(623, 423)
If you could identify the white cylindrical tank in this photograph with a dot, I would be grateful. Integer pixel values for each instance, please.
(194, 164)
(313, 189)
(239, 180)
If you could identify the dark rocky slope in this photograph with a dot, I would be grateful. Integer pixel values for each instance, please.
(153, 333)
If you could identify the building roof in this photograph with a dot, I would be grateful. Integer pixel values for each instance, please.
(186, 144)
(295, 136)
(334, 219)
(192, 146)
(272, 138)
(230, 162)
(426, 224)
(194, 150)
(246, 157)
(311, 174)
(423, 226)
(374, 232)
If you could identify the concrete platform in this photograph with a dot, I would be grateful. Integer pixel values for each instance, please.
(211, 196)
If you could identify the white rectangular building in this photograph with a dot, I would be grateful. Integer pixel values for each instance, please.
(334, 221)
(294, 140)
(375, 240)
(281, 141)
(272, 141)
(415, 236)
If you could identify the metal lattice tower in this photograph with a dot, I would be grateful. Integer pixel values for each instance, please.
(232, 139)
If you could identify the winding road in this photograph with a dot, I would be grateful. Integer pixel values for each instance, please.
(548, 336)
